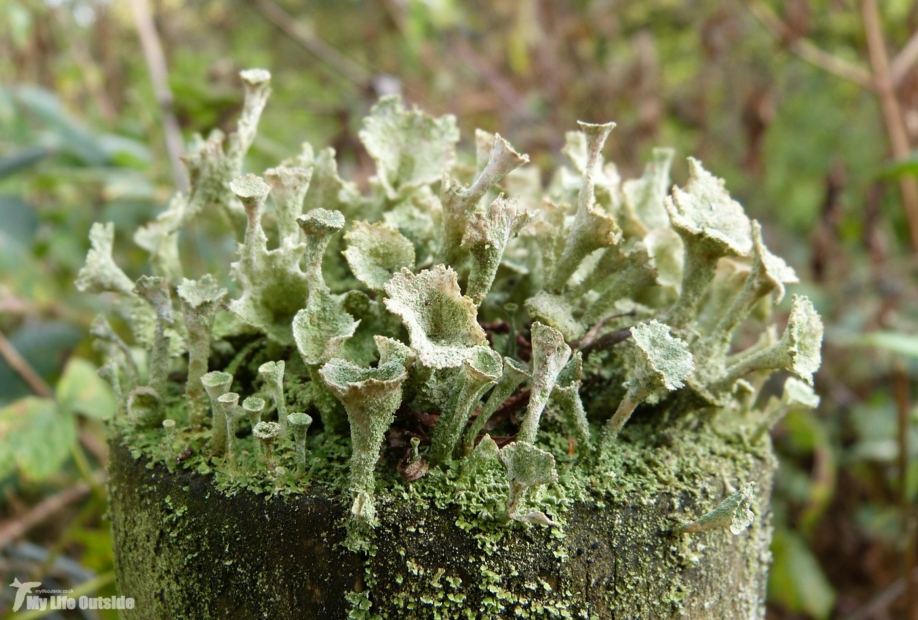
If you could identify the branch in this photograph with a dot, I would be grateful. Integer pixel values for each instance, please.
(892, 113)
(17, 526)
(24, 369)
(904, 61)
(312, 43)
(806, 50)
(159, 76)
(878, 606)
(607, 341)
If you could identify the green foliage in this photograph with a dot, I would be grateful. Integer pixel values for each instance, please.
(796, 580)
(81, 390)
(37, 437)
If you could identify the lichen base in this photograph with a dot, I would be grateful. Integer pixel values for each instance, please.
(186, 550)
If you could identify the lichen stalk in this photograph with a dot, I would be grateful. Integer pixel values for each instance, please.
(266, 433)
(216, 384)
(318, 225)
(169, 428)
(591, 228)
(110, 373)
(299, 422)
(513, 375)
(549, 355)
(155, 292)
(370, 396)
(232, 412)
(480, 371)
(102, 330)
(460, 203)
(272, 373)
(633, 397)
(200, 301)
(797, 351)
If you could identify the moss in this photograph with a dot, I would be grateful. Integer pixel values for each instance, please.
(231, 546)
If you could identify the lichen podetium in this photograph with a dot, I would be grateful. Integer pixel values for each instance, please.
(454, 323)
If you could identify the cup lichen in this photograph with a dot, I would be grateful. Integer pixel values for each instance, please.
(578, 305)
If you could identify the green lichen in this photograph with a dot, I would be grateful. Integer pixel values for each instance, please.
(445, 284)
(734, 513)
(370, 396)
(101, 274)
(662, 363)
(200, 302)
(480, 370)
(549, 355)
(375, 252)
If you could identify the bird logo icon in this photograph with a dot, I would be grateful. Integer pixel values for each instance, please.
(24, 589)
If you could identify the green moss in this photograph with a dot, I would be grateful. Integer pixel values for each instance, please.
(646, 484)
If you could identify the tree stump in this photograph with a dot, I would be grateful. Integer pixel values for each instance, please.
(185, 549)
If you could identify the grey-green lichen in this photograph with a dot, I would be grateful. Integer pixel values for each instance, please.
(395, 313)
(734, 513)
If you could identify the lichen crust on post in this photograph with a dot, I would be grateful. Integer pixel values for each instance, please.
(460, 399)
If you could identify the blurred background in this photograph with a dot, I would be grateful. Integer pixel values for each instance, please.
(808, 109)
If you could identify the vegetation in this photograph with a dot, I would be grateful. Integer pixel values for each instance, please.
(803, 149)
(576, 266)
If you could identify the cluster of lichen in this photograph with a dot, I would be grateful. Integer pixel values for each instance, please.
(445, 284)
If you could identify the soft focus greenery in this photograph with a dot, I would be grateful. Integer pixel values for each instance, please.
(803, 151)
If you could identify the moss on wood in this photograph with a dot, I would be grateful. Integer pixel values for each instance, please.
(187, 549)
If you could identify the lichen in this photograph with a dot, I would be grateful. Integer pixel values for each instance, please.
(395, 312)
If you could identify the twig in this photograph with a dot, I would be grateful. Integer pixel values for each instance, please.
(17, 526)
(900, 389)
(159, 76)
(23, 368)
(21, 307)
(806, 50)
(312, 43)
(607, 341)
(504, 89)
(878, 606)
(591, 335)
(901, 64)
(892, 114)
(95, 447)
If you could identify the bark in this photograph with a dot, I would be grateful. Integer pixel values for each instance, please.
(185, 549)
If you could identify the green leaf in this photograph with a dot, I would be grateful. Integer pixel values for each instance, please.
(905, 168)
(796, 580)
(895, 342)
(36, 436)
(22, 160)
(81, 390)
(71, 136)
(17, 227)
(20, 23)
